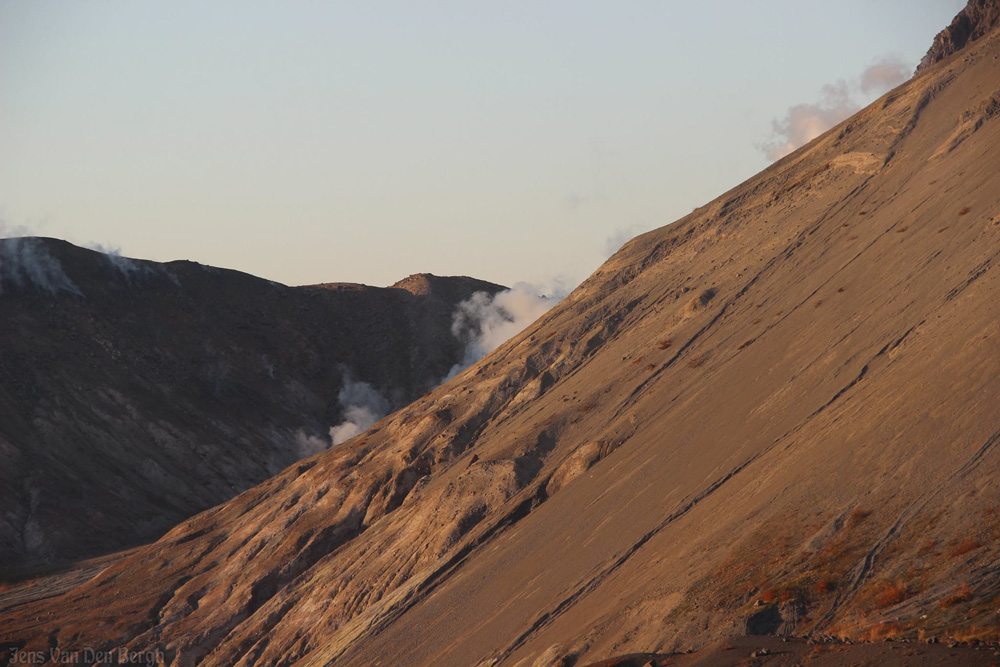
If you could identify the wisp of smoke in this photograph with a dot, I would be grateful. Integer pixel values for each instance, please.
(804, 122)
(620, 237)
(27, 262)
(363, 405)
(123, 264)
(884, 74)
(485, 322)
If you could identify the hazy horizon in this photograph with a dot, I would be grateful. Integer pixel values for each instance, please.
(310, 143)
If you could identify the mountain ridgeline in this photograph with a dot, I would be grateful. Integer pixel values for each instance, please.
(135, 394)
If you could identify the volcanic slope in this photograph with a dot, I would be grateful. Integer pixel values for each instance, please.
(776, 415)
(135, 394)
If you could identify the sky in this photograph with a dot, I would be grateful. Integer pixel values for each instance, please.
(311, 141)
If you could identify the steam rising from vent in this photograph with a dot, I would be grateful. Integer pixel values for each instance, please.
(484, 323)
(363, 405)
(26, 262)
(884, 75)
(804, 122)
(124, 265)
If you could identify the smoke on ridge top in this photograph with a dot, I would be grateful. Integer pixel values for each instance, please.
(804, 122)
(26, 262)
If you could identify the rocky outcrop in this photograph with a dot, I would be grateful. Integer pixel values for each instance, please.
(977, 19)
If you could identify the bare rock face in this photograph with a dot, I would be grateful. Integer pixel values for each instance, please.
(134, 394)
(977, 19)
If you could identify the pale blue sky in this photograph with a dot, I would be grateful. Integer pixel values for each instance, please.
(310, 141)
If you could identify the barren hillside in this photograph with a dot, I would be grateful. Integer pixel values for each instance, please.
(134, 394)
(777, 415)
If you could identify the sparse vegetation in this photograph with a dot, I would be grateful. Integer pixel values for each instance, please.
(964, 210)
(964, 593)
(889, 594)
(825, 585)
(664, 344)
(901, 230)
(964, 547)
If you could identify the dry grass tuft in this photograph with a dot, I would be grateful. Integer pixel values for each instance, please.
(665, 343)
(964, 547)
(964, 210)
(825, 585)
(890, 595)
(964, 593)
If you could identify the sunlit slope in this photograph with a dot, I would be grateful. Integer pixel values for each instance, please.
(777, 414)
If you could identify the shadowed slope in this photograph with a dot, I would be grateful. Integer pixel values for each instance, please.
(134, 394)
(777, 415)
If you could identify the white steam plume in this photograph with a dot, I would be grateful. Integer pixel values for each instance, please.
(363, 405)
(27, 262)
(485, 322)
(884, 74)
(804, 122)
(126, 266)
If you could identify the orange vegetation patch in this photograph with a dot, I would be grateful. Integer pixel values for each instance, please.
(890, 594)
(636, 362)
(825, 585)
(884, 630)
(769, 595)
(964, 593)
(964, 210)
(665, 343)
(964, 547)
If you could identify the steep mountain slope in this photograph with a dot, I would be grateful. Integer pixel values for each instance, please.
(135, 394)
(777, 415)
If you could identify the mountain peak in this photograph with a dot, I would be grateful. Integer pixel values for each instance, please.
(977, 19)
